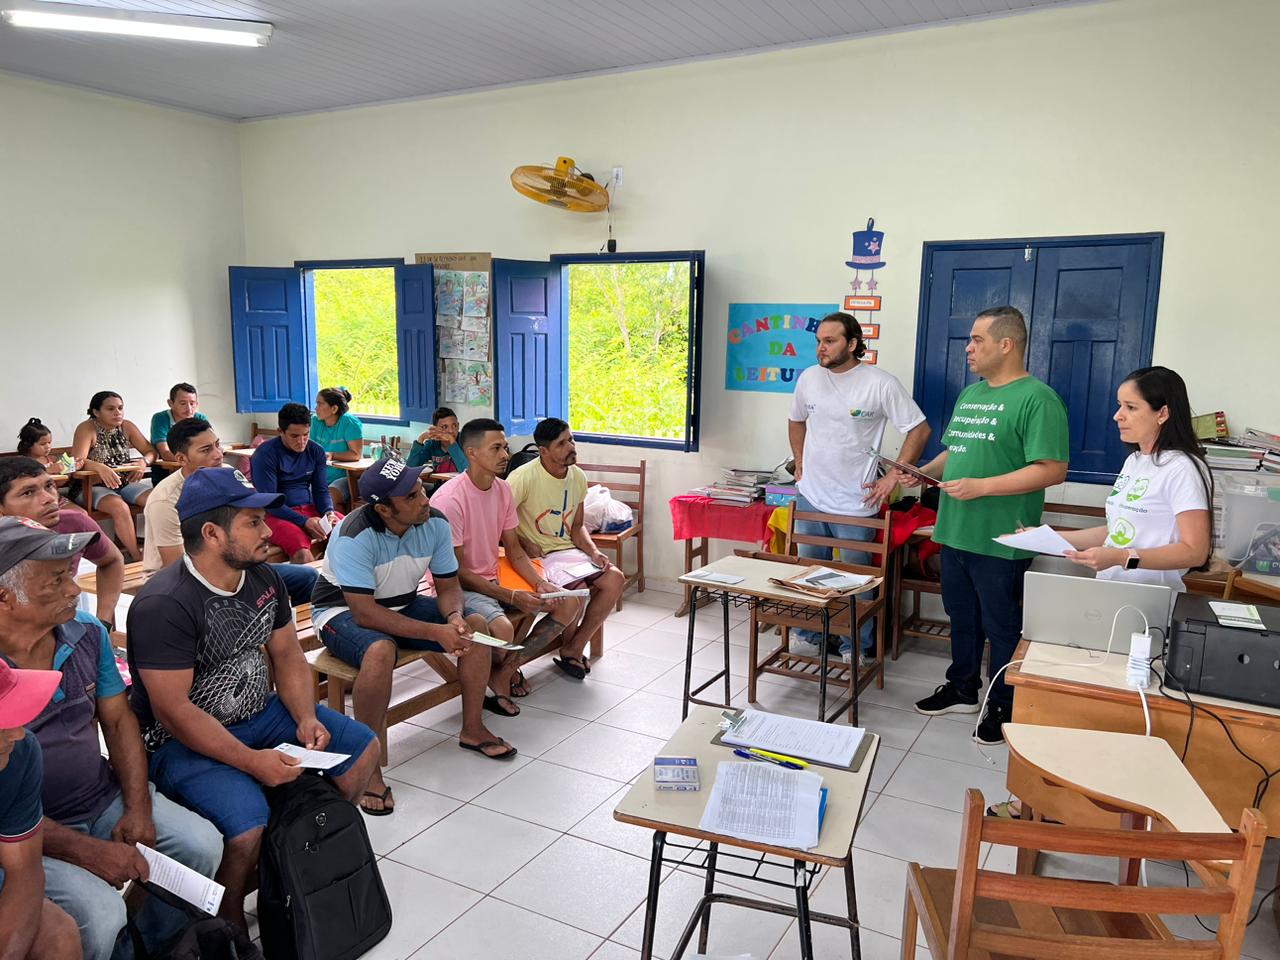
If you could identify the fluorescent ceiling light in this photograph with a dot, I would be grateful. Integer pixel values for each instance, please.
(131, 23)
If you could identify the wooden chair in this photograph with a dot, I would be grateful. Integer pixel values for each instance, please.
(971, 913)
(849, 622)
(630, 492)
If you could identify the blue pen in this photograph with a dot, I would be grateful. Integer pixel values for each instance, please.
(755, 756)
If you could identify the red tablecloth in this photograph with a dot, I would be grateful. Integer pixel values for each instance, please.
(696, 516)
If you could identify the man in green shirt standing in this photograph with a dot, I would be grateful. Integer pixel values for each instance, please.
(1006, 442)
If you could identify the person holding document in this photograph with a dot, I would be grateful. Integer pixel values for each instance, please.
(835, 426)
(95, 808)
(1158, 520)
(1006, 442)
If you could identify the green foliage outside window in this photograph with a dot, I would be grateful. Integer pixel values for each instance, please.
(356, 337)
(629, 348)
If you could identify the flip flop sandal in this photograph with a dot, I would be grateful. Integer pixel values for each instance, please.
(519, 685)
(1002, 811)
(573, 666)
(494, 705)
(384, 796)
(496, 742)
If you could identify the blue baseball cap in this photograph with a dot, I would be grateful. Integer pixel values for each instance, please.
(213, 487)
(388, 477)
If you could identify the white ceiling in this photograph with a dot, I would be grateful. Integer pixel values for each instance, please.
(327, 54)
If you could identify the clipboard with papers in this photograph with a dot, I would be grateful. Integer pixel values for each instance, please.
(910, 471)
(819, 744)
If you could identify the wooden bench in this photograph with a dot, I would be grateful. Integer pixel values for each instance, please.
(340, 677)
(631, 492)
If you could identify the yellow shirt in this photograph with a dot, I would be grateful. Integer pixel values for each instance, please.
(547, 506)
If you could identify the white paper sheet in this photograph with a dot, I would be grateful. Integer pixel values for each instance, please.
(765, 804)
(1041, 539)
(1237, 615)
(561, 594)
(728, 578)
(794, 737)
(828, 579)
(312, 759)
(180, 880)
(489, 641)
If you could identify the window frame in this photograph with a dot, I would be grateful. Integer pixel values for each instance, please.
(693, 396)
(306, 266)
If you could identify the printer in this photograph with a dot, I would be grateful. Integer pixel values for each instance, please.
(1235, 663)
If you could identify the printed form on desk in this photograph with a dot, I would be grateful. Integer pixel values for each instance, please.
(807, 739)
(764, 803)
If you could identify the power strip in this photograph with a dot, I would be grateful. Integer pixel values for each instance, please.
(1137, 672)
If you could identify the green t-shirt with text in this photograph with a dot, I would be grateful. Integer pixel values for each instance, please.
(993, 431)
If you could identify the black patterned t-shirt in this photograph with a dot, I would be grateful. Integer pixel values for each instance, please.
(178, 621)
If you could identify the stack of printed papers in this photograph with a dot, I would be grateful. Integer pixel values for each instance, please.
(765, 803)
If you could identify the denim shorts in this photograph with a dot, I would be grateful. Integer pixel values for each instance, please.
(348, 641)
(231, 799)
(128, 492)
(484, 605)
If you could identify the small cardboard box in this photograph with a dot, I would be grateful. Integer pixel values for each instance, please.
(675, 773)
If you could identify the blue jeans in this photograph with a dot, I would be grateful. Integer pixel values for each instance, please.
(983, 599)
(348, 641)
(98, 908)
(298, 579)
(231, 799)
(841, 531)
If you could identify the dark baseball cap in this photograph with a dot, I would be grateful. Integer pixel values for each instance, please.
(388, 477)
(212, 487)
(24, 539)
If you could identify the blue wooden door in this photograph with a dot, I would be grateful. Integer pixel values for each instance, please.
(416, 340)
(960, 284)
(529, 350)
(272, 342)
(1093, 321)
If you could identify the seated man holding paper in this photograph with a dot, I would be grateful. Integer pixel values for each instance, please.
(481, 511)
(95, 809)
(201, 689)
(549, 494)
(366, 605)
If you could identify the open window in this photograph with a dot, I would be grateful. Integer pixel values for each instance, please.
(611, 343)
(368, 325)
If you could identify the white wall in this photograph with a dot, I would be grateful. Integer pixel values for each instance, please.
(117, 224)
(1128, 116)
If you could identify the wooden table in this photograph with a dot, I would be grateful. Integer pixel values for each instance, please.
(756, 590)
(680, 813)
(353, 469)
(703, 519)
(1052, 689)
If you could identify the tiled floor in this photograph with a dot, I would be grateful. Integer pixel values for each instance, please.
(524, 859)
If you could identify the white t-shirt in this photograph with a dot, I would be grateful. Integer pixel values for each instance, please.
(1143, 509)
(844, 416)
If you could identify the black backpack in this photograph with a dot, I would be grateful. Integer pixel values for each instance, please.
(320, 896)
(522, 456)
(204, 938)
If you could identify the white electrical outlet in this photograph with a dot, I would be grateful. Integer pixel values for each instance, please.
(617, 176)
(1138, 669)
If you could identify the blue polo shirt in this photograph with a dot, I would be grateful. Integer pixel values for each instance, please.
(78, 781)
(20, 810)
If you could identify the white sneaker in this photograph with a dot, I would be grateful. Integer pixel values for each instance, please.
(803, 647)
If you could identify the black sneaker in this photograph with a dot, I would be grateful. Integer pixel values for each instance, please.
(947, 699)
(989, 732)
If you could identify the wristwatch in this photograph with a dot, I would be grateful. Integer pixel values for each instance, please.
(1133, 561)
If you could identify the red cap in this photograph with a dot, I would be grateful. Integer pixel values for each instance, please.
(24, 693)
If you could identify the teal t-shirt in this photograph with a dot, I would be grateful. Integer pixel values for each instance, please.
(334, 439)
(162, 423)
(994, 431)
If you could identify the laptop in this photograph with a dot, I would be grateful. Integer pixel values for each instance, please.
(1078, 611)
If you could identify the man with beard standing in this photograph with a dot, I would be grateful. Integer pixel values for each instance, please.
(201, 689)
(835, 426)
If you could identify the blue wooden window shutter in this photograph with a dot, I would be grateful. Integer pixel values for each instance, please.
(529, 351)
(273, 347)
(416, 340)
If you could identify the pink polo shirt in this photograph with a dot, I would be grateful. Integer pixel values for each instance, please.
(477, 518)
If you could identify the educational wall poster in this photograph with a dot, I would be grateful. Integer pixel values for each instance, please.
(867, 257)
(475, 293)
(469, 382)
(463, 326)
(770, 343)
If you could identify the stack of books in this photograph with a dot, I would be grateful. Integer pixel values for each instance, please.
(1232, 455)
(1210, 426)
(1269, 443)
(738, 486)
